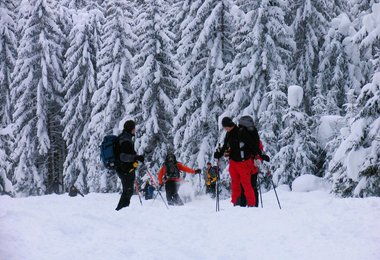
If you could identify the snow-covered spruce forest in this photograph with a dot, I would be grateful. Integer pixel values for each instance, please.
(72, 71)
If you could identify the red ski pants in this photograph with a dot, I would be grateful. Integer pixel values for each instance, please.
(241, 173)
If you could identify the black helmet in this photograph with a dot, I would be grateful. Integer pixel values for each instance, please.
(170, 157)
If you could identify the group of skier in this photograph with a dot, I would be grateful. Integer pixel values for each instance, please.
(242, 147)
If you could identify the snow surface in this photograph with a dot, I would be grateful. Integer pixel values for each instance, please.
(312, 225)
(309, 182)
(295, 95)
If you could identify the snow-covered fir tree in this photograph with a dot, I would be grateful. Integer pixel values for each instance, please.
(231, 93)
(115, 73)
(310, 25)
(299, 152)
(265, 50)
(177, 11)
(36, 95)
(335, 77)
(271, 124)
(155, 84)
(228, 29)
(369, 172)
(65, 23)
(76, 4)
(340, 134)
(338, 7)
(23, 13)
(80, 84)
(6, 186)
(272, 47)
(355, 166)
(360, 6)
(8, 45)
(201, 53)
(234, 59)
(365, 26)
(319, 103)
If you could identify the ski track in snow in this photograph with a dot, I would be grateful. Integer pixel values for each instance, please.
(311, 225)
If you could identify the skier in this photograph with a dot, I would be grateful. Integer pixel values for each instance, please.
(170, 172)
(73, 192)
(127, 162)
(148, 190)
(211, 175)
(239, 146)
(242, 201)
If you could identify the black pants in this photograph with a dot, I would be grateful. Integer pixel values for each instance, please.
(127, 181)
(242, 201)
(211, 189)
(171, 188)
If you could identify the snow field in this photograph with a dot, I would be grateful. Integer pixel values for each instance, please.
(312, 225)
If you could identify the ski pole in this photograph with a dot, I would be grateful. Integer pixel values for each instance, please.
(138, 192)
(155, 197)
(217, 171)
(200, 184)
(259, 184)
(217, 187)
(274, 188)
(156, 186)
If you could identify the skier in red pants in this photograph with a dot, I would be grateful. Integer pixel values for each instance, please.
(240, 147)
(254, 176)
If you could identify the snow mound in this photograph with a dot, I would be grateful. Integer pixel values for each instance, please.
(295, 95)
(308, 182)
(329, 125)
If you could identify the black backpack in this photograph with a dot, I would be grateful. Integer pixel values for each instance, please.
(246, 123)
(172, 170)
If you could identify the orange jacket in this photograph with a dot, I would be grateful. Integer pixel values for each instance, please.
(180, 166)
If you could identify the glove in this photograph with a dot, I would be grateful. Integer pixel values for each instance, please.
(198, 171)
(257, 163)
(135, 164)
(139, 158)
(217, 155)
(265, 157)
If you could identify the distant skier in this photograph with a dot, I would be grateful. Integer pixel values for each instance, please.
(211, 176)
(127, 162)
(170, 172)
(148, 190)
(73, 192)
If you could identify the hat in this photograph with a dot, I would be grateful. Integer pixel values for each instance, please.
(226, 121)
(129, 126)
(170, 157)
